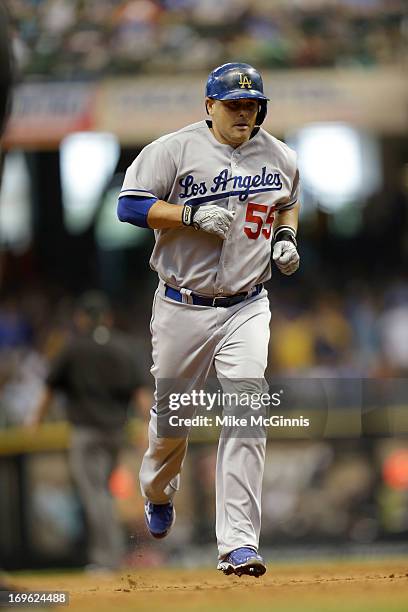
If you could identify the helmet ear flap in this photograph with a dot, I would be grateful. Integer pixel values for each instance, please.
(260, 118)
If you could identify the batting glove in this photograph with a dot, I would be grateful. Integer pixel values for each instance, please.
(285, 253)
(212, 219)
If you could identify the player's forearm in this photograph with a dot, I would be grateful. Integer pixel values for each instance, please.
(163, 215)
(158, 214)
(285, 254)
(288, 218)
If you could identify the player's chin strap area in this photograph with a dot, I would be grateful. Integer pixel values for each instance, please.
(254, 131)
(188, 297)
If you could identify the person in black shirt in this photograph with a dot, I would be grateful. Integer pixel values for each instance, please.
(97, 372)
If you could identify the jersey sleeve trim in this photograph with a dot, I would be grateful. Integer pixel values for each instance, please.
(143, 193)
(287, 206)
(294, 195)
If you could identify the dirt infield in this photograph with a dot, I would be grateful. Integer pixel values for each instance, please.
(357, 586)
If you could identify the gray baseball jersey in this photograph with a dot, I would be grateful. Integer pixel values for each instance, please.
(255, 180)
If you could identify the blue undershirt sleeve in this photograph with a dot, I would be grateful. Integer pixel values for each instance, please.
(134, 209)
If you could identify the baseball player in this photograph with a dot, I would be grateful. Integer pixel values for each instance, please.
(219, 194)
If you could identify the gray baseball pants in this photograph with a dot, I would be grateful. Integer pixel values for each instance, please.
(187, 340)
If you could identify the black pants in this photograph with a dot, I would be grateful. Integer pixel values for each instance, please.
(93, 457)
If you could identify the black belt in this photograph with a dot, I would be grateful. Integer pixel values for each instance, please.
(201, 300)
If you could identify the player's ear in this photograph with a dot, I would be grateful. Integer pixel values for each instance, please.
(209, 105)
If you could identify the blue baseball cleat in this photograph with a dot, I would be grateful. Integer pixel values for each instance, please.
(159, 518)
(243, 561)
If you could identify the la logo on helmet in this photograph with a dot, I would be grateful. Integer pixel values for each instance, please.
(244, 81)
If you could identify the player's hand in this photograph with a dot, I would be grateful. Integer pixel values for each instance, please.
(286, 257)
(213, 219)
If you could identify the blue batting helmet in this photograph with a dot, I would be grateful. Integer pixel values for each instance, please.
(234, 81)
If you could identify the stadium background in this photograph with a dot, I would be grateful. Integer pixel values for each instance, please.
(96, 81)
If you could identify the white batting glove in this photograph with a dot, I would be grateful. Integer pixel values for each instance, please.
(212, 219)
(285, 253)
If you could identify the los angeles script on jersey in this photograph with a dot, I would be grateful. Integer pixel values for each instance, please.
(236, 185)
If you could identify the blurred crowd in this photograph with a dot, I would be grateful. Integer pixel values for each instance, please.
(359, 332)
(63, 39)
